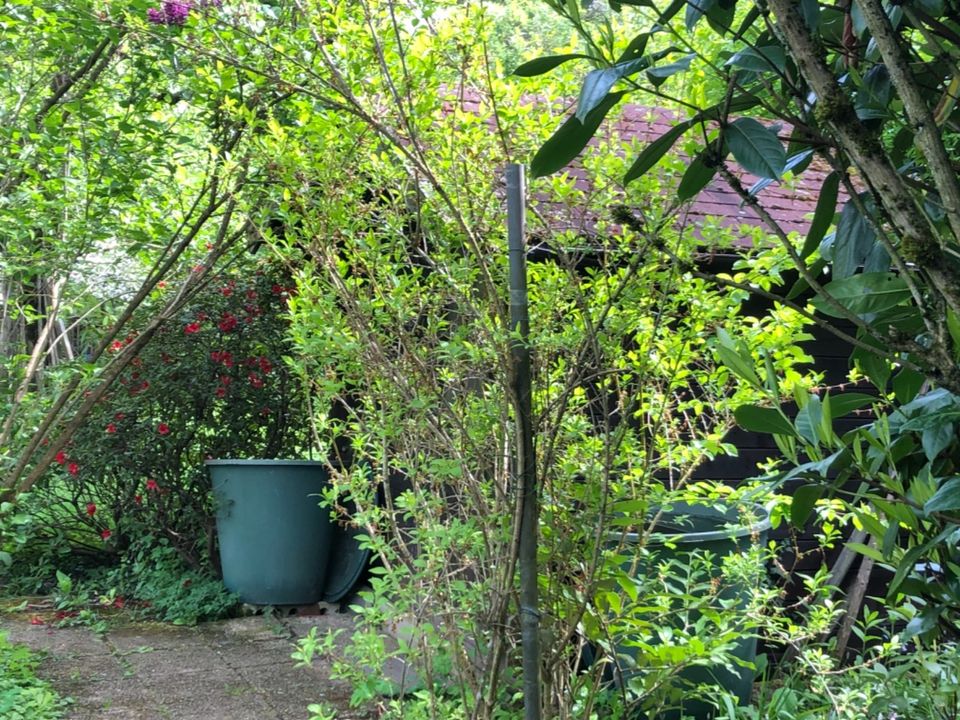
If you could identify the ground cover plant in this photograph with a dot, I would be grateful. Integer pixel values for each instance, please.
(22, 695)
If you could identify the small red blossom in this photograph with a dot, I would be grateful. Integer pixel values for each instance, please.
(105, 534)
(251, 294)
(119, 603)
(152, 484)
(45, 442)
(162, 284)
(227, 323)
(191, 328)
(225, 380)
(137, 361)
(277, 289)
(111, 428)
(163, 429)
(60, 458)
(119, 416)
(36, 620)
(116, 345)
(64, 614)
(73, 469)
(221, 392)
(265, 366)
(91, 509)
(226, 291)
(138, 499)
(255, 380)
(201, 316)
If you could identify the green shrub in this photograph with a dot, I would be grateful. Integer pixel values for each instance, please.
(212, 384)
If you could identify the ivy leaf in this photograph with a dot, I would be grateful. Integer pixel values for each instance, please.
(570, 138)
(541, 65)
(756, 148)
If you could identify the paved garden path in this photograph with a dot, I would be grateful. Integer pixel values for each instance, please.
(229, 670)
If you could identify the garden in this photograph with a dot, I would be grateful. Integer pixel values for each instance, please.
(621, 337)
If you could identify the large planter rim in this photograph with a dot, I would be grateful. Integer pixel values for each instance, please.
(230, 461)
(732, 530)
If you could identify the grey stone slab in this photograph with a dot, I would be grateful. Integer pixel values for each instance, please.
(154, 635)
(288, 690)
(204, 697)
(117, 699)
(74, 673)
(253, 629)
(271, 653)
(189, 658)
(73, 641)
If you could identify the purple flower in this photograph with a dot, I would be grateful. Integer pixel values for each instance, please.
(173, 12)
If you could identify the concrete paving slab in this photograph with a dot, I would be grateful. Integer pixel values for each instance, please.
(72, 641)
(231, 670)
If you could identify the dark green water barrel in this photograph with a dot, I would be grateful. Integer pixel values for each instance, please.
(683, 530)
(275, 539)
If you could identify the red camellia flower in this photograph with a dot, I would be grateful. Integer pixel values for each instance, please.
(111, 428)
(226, 291)
(106, 534)
(91, 509)
(163, 429)
(36, 620)
(152, 484)
(116, 345)
(138, 499)
(119, 416)
(251, 294)
(221, 392)
(191, 328)
(255, 380)
(227, 323)
(73, 468)
(60, 458)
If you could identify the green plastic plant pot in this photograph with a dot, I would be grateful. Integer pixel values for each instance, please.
(723, 532)
(275, 538)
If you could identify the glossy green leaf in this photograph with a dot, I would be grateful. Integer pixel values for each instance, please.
(946, 499)
(696, 177)
(863, 294)
(658, 74)
(569, 139)
(804, 499)
(907, 383)
(541, 65)
(696, 9)
(853, 242)
(756, 148)
(737, 358)
(845, 404)
(823, 215)
(598, 83)
(763, 420)
(762, 59)
(870, 552)
(652, 153)
(635, 49)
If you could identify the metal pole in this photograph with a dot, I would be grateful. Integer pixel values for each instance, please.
(526, 461)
